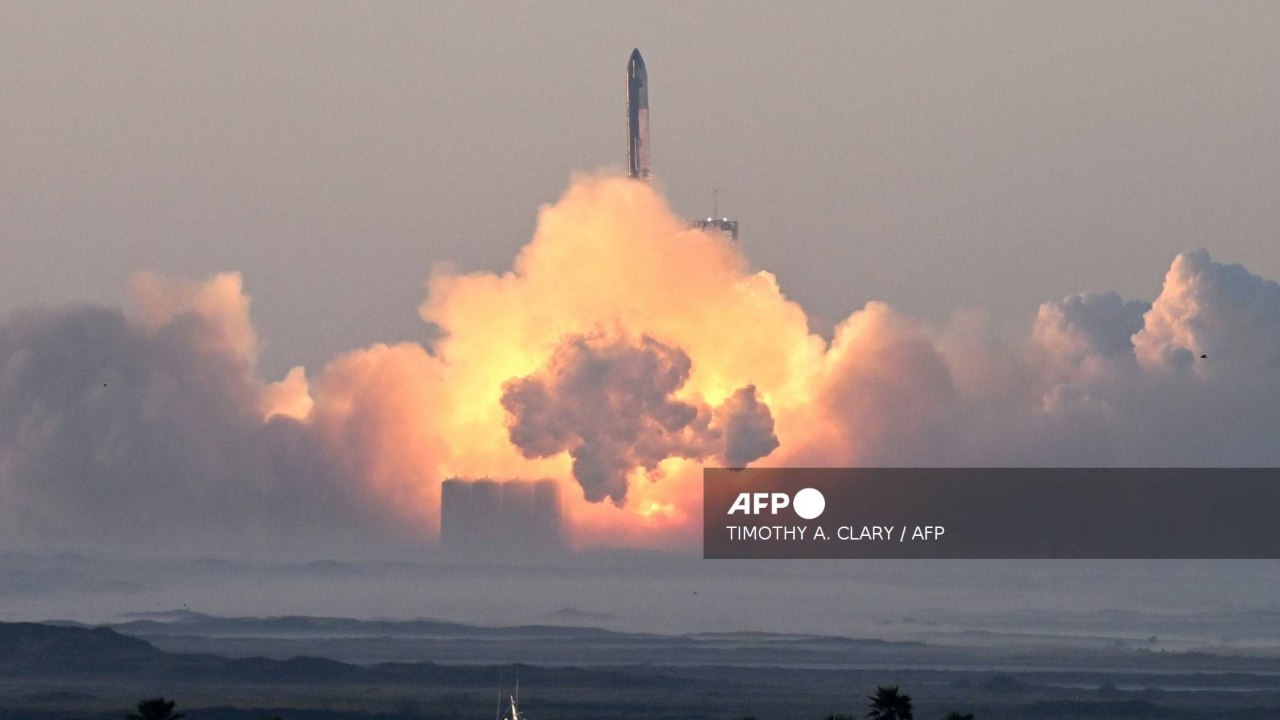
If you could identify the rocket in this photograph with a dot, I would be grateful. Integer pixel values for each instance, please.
(637, 117)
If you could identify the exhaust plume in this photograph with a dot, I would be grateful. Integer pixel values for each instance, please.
(621, 352)
(611, 406)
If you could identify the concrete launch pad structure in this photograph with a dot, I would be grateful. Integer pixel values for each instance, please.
(485, 519)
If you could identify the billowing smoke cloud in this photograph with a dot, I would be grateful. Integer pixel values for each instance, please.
(611, 405)
(600, 362)
(748, 428)
(146, 431)
(1098, 381)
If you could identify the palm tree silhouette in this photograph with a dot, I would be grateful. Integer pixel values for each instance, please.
(154, 709)
(889, 704)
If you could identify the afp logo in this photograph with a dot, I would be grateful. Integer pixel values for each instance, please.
(808, 503)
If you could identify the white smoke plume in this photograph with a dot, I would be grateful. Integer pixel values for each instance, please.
(143, 430)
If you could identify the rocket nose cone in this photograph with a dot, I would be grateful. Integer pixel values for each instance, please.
(636, 61)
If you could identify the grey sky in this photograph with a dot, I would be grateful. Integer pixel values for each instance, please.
(936, 156)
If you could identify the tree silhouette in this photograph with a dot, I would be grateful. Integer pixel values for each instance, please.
(957, 716)
(889, 704)
(154, 709)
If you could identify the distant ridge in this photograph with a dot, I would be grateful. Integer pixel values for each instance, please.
(356, 646)
(31, 650)
(39, 649)
(575, 615)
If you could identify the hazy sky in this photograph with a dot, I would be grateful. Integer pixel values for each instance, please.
(937, 156)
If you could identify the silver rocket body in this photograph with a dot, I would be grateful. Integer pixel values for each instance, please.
(637, 117)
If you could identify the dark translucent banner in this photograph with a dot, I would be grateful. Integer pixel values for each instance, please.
(991, 513)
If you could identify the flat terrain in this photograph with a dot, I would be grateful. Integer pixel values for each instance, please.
(64, 671)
